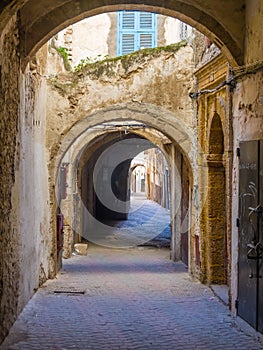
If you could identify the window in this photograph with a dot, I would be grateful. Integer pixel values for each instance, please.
(136, 30)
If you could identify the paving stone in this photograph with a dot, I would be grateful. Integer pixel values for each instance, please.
(134, 299)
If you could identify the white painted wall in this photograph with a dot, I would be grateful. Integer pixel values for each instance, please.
(89, 38)
(173, 29)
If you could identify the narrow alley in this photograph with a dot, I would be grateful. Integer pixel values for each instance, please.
(133, 298)
(148, 224)
(102, 101)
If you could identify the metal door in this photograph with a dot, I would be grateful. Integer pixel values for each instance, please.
(260, 227)
(250, 270)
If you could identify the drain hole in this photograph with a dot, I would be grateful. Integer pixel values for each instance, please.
(68, 291)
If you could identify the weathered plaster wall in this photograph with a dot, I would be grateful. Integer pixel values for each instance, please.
(9, 161)
(254, 30)
(77, 156)
(155, 169)
(96, 37)
(87, 38)
(223, 22)
(24, 247)
(247, 111)
(163, 79)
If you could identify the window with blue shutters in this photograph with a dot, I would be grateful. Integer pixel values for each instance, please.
(136, 30)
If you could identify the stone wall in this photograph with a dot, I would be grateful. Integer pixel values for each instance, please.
(161, 78)
(9, 161)
(215, 138)
(128, 87)
(25, 246)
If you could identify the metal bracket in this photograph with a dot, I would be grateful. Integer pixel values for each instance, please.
(255, 251)
(258, 211)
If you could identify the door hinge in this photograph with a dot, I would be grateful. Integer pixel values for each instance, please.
(236, 304)
(237, 222)
(238, 151)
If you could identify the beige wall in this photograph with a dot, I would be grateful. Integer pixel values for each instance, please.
(73, 97)
(25, 244)
(149, 88)
(96, 37)
(87, 38)
(10, 268)
(254, 30)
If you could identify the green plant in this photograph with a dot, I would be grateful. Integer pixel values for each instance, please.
(63, 52)
(84, 62)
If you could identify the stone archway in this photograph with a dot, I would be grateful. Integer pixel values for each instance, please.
(178, 153)
(155, 117)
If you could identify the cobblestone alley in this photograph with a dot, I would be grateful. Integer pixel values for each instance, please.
(126, 299)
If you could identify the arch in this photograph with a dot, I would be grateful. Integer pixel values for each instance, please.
(133, 167)
(93, 206)
(134, 172)
(158, 125)
(155, 117)
(38, 21)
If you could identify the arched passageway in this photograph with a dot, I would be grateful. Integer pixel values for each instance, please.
(137, 175)
(98, 184)
(105, 190)
(25, 26)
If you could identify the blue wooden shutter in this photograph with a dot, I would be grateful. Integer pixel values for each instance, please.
(128, 20)
(126, 32)
(136, 30)
(147, 30)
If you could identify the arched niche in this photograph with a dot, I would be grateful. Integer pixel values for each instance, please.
(216, 251)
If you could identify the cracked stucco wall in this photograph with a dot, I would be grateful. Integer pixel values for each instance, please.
(24, 243)
(9, 161)
(163, 79)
